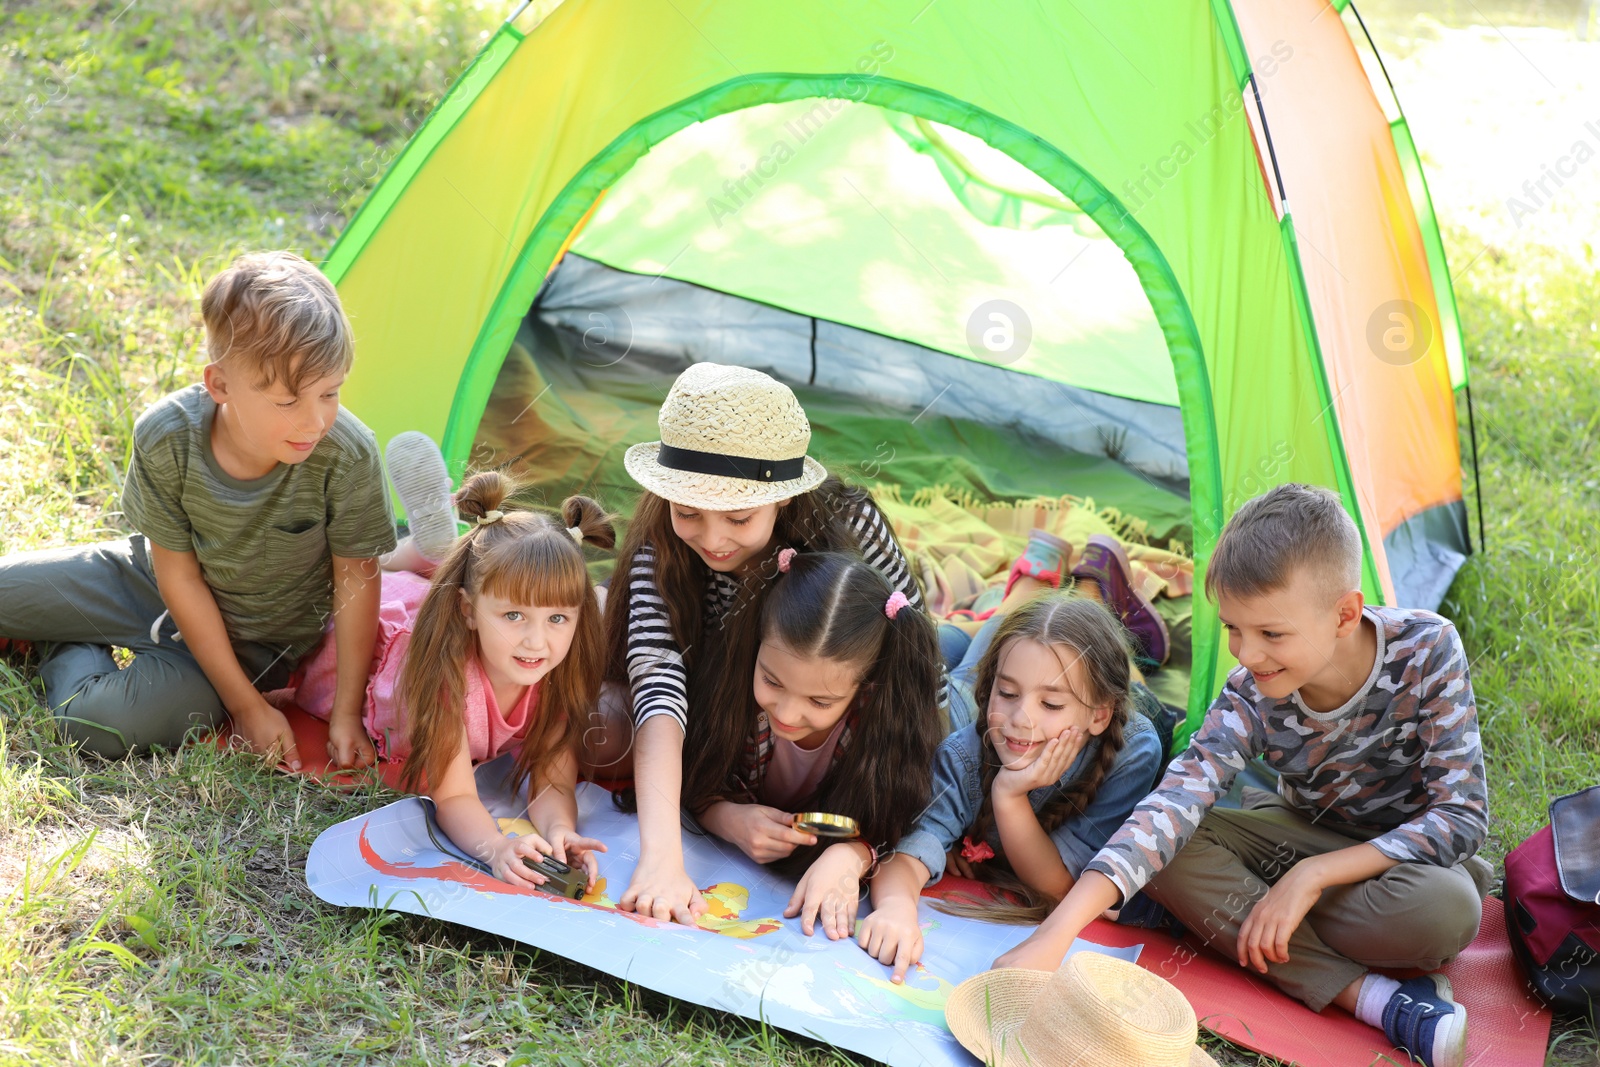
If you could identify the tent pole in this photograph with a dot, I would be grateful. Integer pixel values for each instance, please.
(813, 380)
(520, 9)
(1477, 479)
(1266, 130)
(1377, 55)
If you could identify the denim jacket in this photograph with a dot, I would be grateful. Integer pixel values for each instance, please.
(958, 794)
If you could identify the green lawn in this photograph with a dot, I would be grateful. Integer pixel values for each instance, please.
(155, 910)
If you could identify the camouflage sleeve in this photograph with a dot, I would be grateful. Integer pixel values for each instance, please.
(1455, 823)
(1164, 821)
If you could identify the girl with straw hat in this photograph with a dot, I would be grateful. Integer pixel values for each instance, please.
(728, 485)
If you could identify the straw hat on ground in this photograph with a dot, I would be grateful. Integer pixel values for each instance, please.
(732, 438)
(1094, 1010)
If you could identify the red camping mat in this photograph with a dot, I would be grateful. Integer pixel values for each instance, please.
(1506, 1027)
(311, 741)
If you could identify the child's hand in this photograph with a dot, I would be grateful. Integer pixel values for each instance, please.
(1264, 937)
(266, 732)
(893, 936)
(956, 863)
(577, 851)
(831, 891)
(1046, 768)
(762, 833)
(1031, 954)
(665, 892)
(507, 860)
(348, 744)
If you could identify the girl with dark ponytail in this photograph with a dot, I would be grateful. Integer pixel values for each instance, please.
(501, 652)
(1025, 797)
(825, 701)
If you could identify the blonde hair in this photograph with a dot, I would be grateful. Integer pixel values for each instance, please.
(276, 315)
(529, 557)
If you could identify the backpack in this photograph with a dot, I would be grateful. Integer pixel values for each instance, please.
(1553, 903)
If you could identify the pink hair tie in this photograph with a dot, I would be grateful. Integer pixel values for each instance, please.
(786, 557)
(897, 600)
(975, 853)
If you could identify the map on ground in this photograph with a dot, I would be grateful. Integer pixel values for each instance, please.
(744, 957)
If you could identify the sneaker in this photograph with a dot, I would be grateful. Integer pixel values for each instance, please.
(417, 470)
(1422, 1019)
(1043, 559)
(1106, 564)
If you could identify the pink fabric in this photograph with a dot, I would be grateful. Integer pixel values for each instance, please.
(794, 772)
(489, 731)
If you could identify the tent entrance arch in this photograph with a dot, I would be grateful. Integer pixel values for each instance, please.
(850, 250)
(570, 208)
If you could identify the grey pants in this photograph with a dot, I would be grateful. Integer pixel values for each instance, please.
(77, 604)
(1413, 915)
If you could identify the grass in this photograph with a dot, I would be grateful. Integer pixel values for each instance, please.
(155, 909)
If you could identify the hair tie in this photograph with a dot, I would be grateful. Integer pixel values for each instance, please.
(785, 557)
(897, 600)
(975, 853)
(490, 517)
(577, 533)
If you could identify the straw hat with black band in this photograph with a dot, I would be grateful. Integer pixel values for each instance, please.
(732, 438)
(1095, 1009)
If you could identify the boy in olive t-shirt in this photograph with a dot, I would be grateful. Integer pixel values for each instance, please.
(261, 511)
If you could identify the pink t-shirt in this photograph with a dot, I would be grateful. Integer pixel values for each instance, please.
(490, 732)
(794, 772)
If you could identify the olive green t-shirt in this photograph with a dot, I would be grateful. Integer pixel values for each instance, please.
(265, 546)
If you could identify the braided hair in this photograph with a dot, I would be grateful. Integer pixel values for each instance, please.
(1071, 627)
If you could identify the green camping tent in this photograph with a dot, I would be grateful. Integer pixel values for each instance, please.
(1166, 255)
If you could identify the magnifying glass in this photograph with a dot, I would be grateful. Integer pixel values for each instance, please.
(825, 825)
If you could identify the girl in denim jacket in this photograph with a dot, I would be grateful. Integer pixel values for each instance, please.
(1025, 797)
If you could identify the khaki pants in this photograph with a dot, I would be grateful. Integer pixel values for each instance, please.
(81, 602)
(1413, 915)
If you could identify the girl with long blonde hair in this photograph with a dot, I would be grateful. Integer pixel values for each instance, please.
(502, 651)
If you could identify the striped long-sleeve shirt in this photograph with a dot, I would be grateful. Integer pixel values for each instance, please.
(656, 672)
(1400, 759)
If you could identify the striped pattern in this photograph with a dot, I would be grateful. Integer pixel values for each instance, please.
(264, 546)
(656, 672)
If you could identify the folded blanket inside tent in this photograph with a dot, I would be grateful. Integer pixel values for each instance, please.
(960, 545)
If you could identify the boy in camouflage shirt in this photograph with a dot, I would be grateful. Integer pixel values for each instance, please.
(1366, 856)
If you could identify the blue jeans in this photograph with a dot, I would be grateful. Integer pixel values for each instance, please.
(961, 656)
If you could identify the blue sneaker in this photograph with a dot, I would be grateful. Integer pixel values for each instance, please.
(1422, 1019)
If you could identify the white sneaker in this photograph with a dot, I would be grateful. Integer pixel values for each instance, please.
(417, 470)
